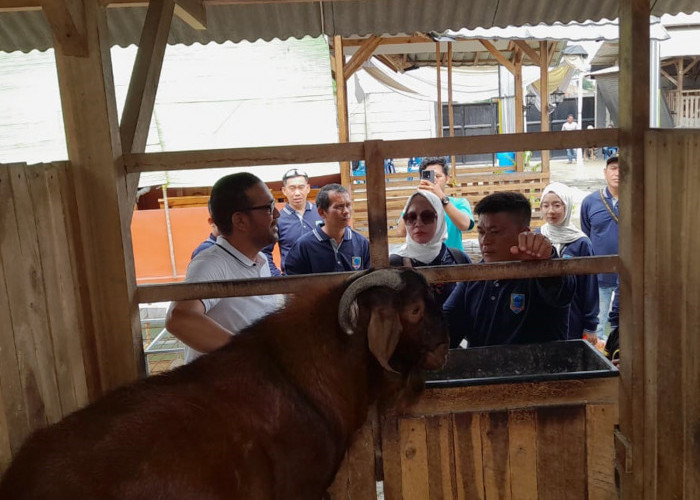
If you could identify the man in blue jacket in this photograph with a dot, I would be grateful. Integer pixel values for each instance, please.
(599, 220)
(332, 246)
(513, 311)
(297, 218)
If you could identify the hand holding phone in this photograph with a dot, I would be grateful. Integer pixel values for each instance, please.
(428, 175)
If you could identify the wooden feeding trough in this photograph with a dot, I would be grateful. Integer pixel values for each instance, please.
(524, 421)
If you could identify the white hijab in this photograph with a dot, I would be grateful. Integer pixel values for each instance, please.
(564, 232)
(425, 252)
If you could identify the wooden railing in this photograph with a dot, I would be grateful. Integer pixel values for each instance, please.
(685, 107)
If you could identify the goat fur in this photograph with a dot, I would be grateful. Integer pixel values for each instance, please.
(268, 416)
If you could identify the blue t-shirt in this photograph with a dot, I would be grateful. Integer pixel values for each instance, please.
(290, 229)
(314, 253)
(518, 311)
(454, 235)
(602, 228)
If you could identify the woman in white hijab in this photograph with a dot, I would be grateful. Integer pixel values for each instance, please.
(570, 241)
(426, 232)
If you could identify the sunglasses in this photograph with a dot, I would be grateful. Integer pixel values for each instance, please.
(270, 208)
(426, 217)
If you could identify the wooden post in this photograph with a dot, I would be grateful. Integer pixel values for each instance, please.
(451, 114)
(92, 135)
(376, 204)
(341, 91)
(519, 121)
(635, 463)
(544, 99)
(438, 57)
(141, 98)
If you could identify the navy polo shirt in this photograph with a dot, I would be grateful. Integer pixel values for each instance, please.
(521, 311)
(600, 226)
(314, 253)
(291, 228)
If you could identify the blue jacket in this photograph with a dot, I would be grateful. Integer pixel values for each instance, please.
(314, 253)
(520, 311)
(601, 228)
(585, 305)
(291, 228)
(445, 258)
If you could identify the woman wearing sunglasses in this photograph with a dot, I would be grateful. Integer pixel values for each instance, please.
(426, 232)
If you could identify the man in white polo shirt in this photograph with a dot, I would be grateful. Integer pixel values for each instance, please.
(244, 211)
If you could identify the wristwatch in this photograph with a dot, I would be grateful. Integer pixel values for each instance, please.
(445, 200)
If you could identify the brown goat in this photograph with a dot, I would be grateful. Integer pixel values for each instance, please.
(268, 416)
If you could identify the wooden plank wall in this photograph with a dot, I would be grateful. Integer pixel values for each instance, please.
(472, 183)
(550, 452)
(42, 373)
(671, 335)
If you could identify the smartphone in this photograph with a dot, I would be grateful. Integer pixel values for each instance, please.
(429, 175)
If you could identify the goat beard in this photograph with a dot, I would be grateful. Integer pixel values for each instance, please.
(400, 391)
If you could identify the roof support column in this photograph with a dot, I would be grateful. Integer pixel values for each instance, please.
(519, 118)
(636, 440)
(544, 99)
(341, 92)
(114, 355)
(438, 61)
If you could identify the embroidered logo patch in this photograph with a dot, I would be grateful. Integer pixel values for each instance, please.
(517, 302)
(356, 262)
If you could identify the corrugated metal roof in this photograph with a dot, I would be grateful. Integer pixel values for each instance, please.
(28, 30)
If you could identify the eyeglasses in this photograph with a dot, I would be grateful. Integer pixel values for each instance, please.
(426, 217)
(270, 208)
(294, 172)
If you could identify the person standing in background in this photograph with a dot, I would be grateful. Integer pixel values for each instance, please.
(458, 211)
(599, 220)
(569, 241)
(332, 246)
(570, 124)
(298, 217)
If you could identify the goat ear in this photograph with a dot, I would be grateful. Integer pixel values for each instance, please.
(353, 316)
(383, 333)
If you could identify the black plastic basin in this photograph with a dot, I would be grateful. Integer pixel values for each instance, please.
(571, 359)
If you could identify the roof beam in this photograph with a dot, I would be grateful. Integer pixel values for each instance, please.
(67, 21)
(498, 56)
(141, 98)
(529, 51)
(192, 12)
(365, 52)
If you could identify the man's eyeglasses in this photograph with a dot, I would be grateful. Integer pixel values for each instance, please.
(426, 217)
(270, 207)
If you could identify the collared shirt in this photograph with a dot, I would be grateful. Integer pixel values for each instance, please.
(291, 227)
(520, 311)
(223, 262)
(314, 253)
(204, 245)
(600, 226)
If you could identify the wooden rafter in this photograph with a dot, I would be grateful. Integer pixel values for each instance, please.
(141, 98)
(670, 78)
(529, 51)
(394, 40)
(192, 12)
(498, 55)
(67, 21)
(358, 58)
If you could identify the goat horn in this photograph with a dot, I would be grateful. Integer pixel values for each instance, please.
(390, 278)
